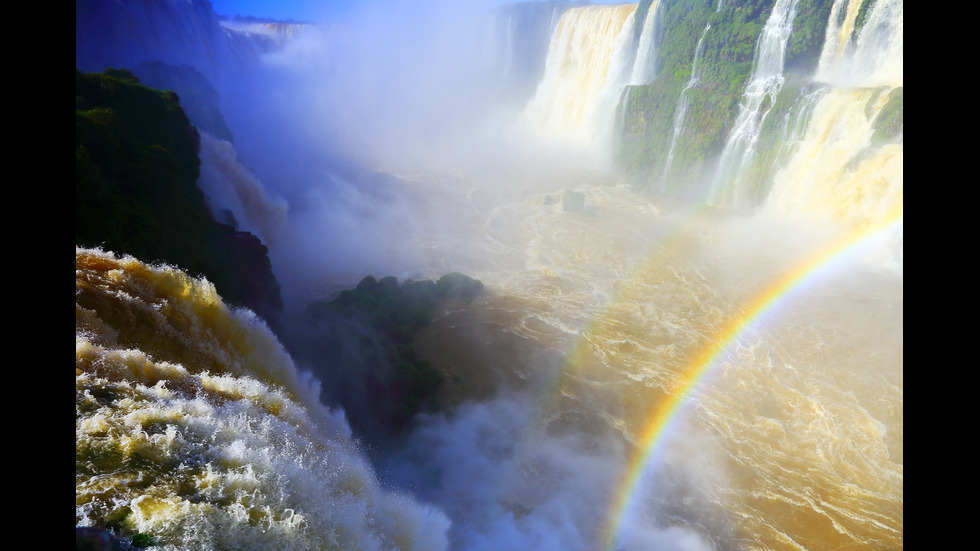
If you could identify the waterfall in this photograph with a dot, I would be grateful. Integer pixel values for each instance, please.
(517, 42)
(643, 373)
(872, 57)
(839, 171)
(194, 424)
(835, 173)
(587, 66)
(644, 66)
(729, 188)
(682, 105)
(231, 186)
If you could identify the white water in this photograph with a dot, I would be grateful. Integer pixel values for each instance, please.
(728, 188)
(193, 425)
(875, 57)
(591, 315)
(588, 64)
(682, 106)
(836, 172)
(228, 184)
(645, 64)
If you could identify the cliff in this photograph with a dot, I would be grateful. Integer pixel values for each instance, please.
(136, 171)
(362, 342)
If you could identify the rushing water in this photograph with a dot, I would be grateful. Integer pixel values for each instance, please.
(640, 373)
(589, 61)
(794, 436)
(763, 87)
(682, 105)
(592, 317)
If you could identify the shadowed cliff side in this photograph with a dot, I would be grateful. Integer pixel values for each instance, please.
(136, 171)
(362, 342)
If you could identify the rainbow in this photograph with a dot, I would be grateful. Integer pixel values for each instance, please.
(666, 414)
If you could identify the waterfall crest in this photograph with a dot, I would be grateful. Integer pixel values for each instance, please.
(645, 64)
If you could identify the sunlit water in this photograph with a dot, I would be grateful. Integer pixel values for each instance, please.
(793, 440)
(193, 424)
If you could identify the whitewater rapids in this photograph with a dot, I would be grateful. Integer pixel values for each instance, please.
(193, 425)
(599, 297)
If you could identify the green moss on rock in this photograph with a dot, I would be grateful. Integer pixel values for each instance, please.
(890, 122)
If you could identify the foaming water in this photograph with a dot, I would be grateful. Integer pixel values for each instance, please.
(589, 61)
(837, 170)
(836, 173)
(793, 439)
(598, 299)
(193, 425)
(872, 57)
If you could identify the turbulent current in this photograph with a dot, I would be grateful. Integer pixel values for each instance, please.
(193, 425)
(640, 372)
(794, 438)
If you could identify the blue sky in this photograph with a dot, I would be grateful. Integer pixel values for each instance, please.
(305, 10)
(309, 10)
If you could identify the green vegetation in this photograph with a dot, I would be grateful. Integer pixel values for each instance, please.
(142, 540)
(809, 30)
(361, 341)
(136, 171)
(862, 16)
(724, 67)
(890, 122)
(713, 103)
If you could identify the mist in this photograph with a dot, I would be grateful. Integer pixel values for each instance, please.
(399, 84)
(396, 144)
(325, 121)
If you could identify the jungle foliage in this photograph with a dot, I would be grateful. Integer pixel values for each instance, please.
(647, 111)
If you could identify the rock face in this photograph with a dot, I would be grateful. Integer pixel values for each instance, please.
(136, 171)
(250, 274)
(123, 33)
(198, 97)
(362, 342)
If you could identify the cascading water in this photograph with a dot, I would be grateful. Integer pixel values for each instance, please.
(588, 64)
(839, 171)
(230, 186)
(644, 66)
(682, 106)
(872, 57)
(193, 424)
(639, 374)
(517, 42)
(729, 188)
(835, 173)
